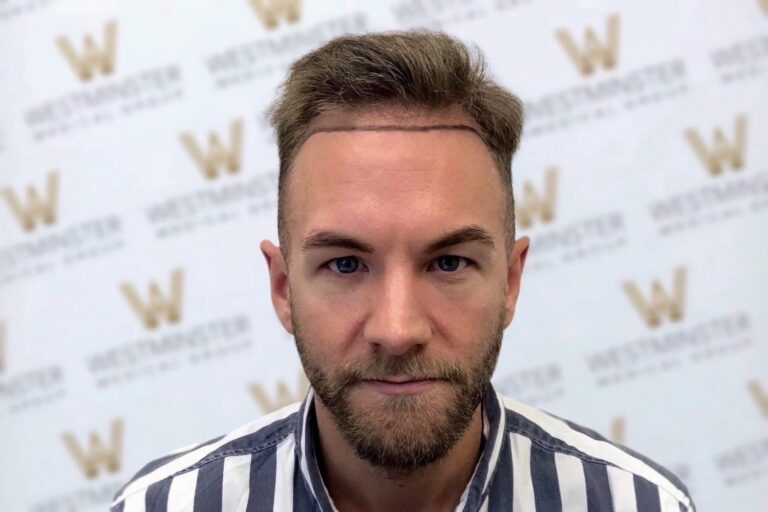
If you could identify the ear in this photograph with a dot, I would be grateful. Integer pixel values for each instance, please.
(514, 276)
(278, 283)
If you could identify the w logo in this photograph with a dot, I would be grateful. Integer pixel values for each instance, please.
(618, 432)
(93, 58)
(271, 11)
(283, 395)
(38, 207)
(721, 152)
(532, 204)
(760, 396)
(159, 304)
(218, 157)
(97, 455)
(594, 51)
(660, 303)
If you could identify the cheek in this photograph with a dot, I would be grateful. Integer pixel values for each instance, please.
(463, 315)
(466, 321)
(327, 322)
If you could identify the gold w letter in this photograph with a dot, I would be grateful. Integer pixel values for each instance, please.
(37, 208)
(284, 396)
(760, 396)
(532, 204)
(722, 151)
(218, 156)
(96, 455)
(661, 303)
(158, 305)
(93, 57)
(270, 11)
(619, 430)
(594, 51)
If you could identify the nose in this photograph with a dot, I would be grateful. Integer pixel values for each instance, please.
(398, 322)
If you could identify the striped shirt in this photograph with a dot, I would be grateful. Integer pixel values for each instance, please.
(531, 461)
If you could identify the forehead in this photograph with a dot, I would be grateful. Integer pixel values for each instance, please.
(393, 172)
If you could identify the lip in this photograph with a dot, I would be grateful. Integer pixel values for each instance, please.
(400, 385)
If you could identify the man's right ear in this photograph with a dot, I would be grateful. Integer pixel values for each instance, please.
(278, 283)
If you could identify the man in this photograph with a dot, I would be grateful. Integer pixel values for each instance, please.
(397, 273)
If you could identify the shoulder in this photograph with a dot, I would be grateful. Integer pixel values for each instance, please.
(253, 440)
(568, 442)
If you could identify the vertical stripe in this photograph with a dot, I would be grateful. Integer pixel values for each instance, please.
(234, 494)
(522, 498)
(502, 486)
(285, 475)
(546, 488)
(573, 491)
(135, 502)
(157, 496)
(563, 433)
(622, 484)
(493, 408)
(302, 439)
(118, 508)
(301, 498)
(647, 495)
(599, 497)
(670, 504)
(210, 484)
(484, 507)
(181, 495)
(190, 458)
(493, 424)
(661, 469)
(261, 479)
(157, 463)
(683, 508)
(309, 462)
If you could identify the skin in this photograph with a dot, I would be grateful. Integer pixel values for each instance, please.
(395, 191)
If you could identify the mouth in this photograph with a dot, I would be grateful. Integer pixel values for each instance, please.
(400, 385)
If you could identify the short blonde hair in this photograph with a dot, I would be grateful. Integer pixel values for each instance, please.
(419, 69)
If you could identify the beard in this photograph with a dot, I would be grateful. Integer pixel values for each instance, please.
(401, 433)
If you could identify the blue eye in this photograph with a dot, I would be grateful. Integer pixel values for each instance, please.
(345, 265)
(350, 264)
(450, 263)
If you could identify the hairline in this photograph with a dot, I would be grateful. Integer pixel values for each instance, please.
(509, 235)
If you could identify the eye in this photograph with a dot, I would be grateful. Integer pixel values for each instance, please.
(451, 263)
(345, 265)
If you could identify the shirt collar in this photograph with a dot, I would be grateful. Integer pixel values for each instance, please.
(495, 422)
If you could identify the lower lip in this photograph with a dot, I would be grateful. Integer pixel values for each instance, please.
(400, 388)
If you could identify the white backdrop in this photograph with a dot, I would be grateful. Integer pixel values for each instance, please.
(137, 177)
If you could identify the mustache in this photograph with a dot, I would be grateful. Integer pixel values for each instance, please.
(385, 366)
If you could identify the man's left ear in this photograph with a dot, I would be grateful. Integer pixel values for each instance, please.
(514, 276)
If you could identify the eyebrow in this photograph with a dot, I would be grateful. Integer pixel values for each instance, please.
(331, 239)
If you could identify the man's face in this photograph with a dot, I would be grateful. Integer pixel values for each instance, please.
(398, 286)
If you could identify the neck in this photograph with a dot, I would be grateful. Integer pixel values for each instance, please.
(354, 484)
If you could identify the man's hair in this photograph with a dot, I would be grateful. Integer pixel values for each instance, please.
(414, 69)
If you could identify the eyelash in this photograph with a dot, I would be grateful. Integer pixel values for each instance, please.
(467, 262)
